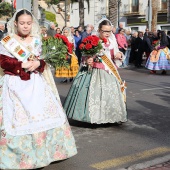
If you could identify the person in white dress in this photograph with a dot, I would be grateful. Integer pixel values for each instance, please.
(34, 128)
(99, 96)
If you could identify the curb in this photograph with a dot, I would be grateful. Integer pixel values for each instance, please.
(147, 164)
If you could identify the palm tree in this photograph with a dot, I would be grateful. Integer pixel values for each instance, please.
(81, 10)
(113, 11)
(49, 2)
(154, 14)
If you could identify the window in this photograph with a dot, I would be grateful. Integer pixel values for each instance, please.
(134, 29)
(135, 6)
(165, 28)
(164, 4)
(135, 2)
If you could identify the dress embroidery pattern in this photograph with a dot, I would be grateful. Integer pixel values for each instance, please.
(109, 110)
(29, 116)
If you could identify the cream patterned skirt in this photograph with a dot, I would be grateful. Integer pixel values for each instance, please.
(36, 150)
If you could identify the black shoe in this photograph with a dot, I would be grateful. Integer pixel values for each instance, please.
(118, 123)
(64, 81)
(139, 66)
(71, 79)
(163, 72)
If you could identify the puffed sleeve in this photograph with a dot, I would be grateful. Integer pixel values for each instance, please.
(13, 67)
(42, 66)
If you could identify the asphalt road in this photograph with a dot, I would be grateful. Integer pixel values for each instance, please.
(144, 137)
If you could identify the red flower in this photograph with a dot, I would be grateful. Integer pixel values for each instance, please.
(90, 38)
(84, 40)
(104, 40)
(88, 46)
(94, 43)
(65, 40)
(154, 42)
(70, 48)
(81, 46)
(57, 36)
(95, 37)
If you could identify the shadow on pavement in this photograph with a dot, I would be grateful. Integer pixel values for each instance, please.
(159, 120)
(92, 126)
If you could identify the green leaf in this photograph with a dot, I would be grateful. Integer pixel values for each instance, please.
(55, 57)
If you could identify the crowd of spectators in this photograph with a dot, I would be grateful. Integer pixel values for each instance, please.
(135, 45)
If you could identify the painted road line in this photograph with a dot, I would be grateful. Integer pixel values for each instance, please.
(130, 158)
(158, 88)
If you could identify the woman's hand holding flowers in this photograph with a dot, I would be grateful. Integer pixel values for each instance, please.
(31, 65)
(118, 56)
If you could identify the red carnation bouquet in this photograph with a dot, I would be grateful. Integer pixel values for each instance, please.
(69, 45)
(57, 50)
(91, 46)
(156, 44)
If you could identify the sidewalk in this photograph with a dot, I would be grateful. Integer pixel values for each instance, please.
(162, 166)
(161, 163)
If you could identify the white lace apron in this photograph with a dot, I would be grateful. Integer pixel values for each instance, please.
(29, 106)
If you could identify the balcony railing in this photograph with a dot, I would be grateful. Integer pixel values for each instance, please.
(135, 8)
(163, 7)
(129, 9)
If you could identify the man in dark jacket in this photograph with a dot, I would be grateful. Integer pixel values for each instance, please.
(133, 52)
(139, 48)
(148, 44)
(86, 33)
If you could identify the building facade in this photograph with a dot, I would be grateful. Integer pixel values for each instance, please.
(97, 9)
(9, 1)
(132, 13)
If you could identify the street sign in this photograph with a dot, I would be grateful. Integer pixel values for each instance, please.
(23, 4)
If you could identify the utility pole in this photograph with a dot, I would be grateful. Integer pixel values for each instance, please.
(118, 11)
(35, 8)
(65, 13)
(149, 14)
(168, 11)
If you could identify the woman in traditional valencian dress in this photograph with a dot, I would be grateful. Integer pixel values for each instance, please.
(159, 58)
(71, 72)
(99, 97)
(34, 128)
